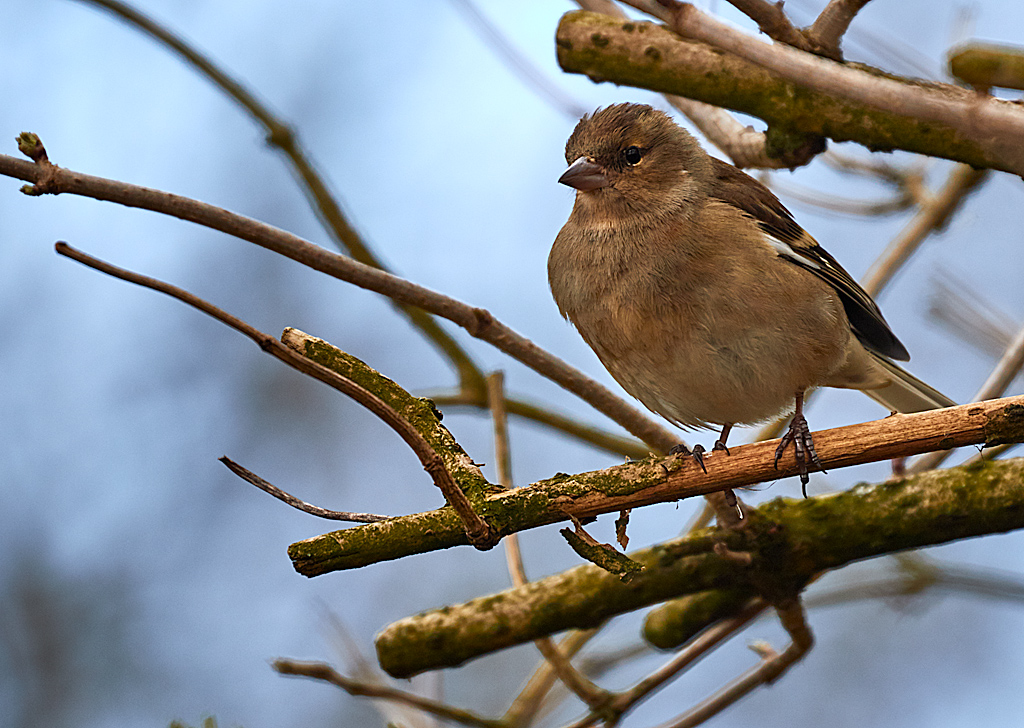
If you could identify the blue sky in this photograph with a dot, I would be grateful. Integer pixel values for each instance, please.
(149, 584)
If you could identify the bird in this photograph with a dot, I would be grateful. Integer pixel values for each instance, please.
(702, 295)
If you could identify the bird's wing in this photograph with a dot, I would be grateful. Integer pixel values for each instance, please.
(734, 187)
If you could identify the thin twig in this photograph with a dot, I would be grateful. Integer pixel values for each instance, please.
(695, 650)
(477, 321)
(772, 20)
(767, 672)
(607, 441)
(322, 671)
(516, 62)
(323, 201)
(478, 532)
(527, 705)
(591, 695)
(1002, 376)
(252, 478)
(931, 218)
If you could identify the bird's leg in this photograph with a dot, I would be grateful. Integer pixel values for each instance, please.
(803, 445)
(720, 442)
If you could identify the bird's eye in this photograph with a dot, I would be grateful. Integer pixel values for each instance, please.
(632, 155)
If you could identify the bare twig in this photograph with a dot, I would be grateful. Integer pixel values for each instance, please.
(1005, 372)
(477, 531)
(608, 441)
(531, 698)
(772, 20)
(252, 478)
(828, 29)
(698, 648)
(768, 671)
(477, 321)
(322, 671)
(323, 201)
(582, 687)
(932, 217)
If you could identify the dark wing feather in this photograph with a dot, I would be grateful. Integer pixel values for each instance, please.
(736, 188)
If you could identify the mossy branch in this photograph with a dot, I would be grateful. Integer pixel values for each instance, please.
(789, 541)
(651, 56)
(650, 481)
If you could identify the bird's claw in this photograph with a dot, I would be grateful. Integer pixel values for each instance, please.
(697, 454)
(803, 449)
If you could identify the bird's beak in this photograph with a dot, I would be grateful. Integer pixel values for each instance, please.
(584, 175)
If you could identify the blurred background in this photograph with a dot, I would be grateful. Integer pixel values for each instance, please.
(141, 582)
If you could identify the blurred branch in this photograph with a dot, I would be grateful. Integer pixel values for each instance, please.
(984, 65)
(516, 62)
(48, 178)
(1002, 376)
(641, 483)
(968, 316)
(789, 542)
(931, 217)
(597, 437)
(477, 531)
(793, 91)
(322, 671)
(686, 657)
(561, 665)
(771, 668)
(324, 203)
(531, 699)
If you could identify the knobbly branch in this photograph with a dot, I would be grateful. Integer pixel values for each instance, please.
(795, 92)
(650, 481)
(790, 541)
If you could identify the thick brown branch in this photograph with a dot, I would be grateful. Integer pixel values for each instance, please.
(791, 541)
(644, 482)
(795, 92)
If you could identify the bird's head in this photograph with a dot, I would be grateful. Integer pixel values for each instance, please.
(631, 159)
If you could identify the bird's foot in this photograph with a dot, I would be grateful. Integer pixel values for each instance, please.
(803, 449)
(697, 454)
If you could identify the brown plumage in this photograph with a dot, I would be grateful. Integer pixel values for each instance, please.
(699, 291)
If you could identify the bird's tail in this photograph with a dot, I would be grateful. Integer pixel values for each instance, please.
(905, 393)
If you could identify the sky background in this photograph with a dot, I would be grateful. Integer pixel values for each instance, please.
(142, 582)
